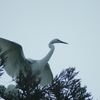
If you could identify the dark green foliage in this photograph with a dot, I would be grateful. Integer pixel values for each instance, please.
(1, 71)
(29, 86)
(2, 60)
(63, 87)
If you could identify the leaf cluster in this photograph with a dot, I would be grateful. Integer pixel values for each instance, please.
(63, 87)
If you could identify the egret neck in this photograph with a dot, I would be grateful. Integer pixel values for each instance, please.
(45, 60)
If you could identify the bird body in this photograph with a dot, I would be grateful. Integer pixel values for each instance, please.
(15, 60)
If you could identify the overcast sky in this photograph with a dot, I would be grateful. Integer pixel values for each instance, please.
(34, 23)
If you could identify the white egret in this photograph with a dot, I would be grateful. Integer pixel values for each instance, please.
(10, 87)
(16, 60)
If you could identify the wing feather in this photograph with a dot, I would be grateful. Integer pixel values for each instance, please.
(46, 75)
(13, 53)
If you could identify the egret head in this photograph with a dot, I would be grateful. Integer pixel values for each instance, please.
(57, 41)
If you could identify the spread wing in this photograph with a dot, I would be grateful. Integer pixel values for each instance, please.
(46, 75)
(13, 55)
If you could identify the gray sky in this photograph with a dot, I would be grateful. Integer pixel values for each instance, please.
(34, 23)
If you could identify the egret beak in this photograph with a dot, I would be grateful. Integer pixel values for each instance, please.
(63, 42)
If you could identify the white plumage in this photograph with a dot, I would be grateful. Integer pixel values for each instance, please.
(16, 61)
